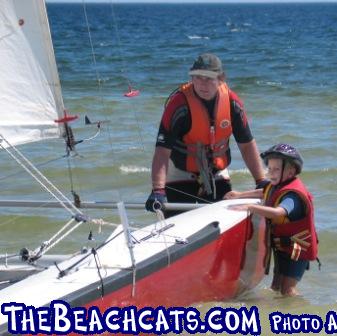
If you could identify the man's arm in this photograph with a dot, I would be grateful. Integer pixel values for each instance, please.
(245, 140)
(250, 155)
(159, 167)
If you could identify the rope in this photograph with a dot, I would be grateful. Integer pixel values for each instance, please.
(46, 246)
(63, 236)
(161, 220)
(64, 272)
(190, 195)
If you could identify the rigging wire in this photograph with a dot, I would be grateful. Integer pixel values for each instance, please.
(190, 195)
(115, 28)
(17, 173)
(98, 267)
(39, 177)
(98, 77)
(119, 49)
(125, 71)
(71, 164)
(138, 121)
(76, 214)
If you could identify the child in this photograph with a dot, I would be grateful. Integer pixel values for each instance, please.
(289, 212)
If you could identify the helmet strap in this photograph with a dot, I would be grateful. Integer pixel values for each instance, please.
(282, 172)
(286, 181)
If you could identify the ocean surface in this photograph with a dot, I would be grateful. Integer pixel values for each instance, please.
(280, 59)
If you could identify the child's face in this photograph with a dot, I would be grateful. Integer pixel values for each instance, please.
(275, 171)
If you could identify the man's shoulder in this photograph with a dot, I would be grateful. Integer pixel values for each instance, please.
(235, 99)
(176, 99)
(176, 108)
(238, 111)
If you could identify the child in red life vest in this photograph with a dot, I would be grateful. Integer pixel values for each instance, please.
(288, 209)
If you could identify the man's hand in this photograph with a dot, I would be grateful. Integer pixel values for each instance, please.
(156, 200)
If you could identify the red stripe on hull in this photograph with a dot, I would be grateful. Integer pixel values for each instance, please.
(211, 273)
(217, 271)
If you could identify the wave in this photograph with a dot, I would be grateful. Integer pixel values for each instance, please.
(197, 37)
(133, 169)
(269, 83)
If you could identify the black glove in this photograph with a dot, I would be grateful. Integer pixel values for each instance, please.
(156, 200)
(260, 184)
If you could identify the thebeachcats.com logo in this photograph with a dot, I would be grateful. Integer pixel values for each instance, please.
(61, 319)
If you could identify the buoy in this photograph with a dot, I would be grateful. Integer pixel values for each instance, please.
(131, 93)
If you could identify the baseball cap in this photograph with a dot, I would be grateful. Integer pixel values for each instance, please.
(207, 65)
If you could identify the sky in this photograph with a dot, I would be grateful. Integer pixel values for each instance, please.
(193, 1)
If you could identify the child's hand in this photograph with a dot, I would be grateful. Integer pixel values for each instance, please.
(239, 207)
(232, 195)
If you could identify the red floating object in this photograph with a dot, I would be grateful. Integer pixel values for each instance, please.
(131, 93)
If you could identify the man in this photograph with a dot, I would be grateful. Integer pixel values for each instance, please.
(288, 208)
(192, 150)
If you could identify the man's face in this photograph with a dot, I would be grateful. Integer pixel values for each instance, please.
(205, 87)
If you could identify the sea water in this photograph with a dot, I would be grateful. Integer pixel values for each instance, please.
(279, 58)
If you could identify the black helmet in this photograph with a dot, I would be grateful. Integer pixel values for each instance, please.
(284, 151)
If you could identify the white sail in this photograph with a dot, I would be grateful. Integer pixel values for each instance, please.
(30, 92)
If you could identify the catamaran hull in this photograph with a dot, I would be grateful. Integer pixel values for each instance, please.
(218, 267)
(217, 262)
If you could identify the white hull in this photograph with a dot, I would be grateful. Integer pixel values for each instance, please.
(191, 230)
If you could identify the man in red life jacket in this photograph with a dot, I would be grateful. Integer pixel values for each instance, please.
(192, 149)
(290, 215)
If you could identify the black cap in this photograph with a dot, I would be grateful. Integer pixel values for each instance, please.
(208, 65)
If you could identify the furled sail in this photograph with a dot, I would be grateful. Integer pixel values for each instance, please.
(30, 92)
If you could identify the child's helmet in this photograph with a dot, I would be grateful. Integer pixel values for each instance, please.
(284, 151)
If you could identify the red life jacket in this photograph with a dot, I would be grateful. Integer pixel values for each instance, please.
(215, 139)
(300, 234)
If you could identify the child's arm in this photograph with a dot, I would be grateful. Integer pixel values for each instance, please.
(262, 210)
(255, 193)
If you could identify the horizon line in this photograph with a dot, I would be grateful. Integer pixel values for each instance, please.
(199, 1)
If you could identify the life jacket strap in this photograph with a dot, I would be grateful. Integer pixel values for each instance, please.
(269, 247)
(206, 176)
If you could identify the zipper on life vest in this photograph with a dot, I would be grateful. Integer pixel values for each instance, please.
(212, 137)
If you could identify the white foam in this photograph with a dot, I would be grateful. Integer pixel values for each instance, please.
(196, 37)
(133, 169)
